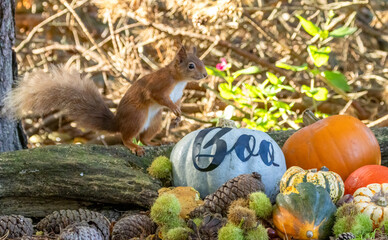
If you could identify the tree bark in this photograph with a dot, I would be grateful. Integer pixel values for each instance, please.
(12, 136)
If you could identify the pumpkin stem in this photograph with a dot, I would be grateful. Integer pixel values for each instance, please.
(382, 201)
(309, 234)
(309, 117)
(324, 168)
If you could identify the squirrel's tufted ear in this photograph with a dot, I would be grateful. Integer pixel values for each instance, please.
(181, 55)
(194, 50)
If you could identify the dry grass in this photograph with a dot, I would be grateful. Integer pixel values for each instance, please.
(115, 42)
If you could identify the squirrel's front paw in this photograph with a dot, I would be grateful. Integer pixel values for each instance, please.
(177, 111)
(174, 123)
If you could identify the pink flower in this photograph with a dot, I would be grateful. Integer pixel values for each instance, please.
(223, 65)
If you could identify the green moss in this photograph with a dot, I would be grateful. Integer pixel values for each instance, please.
(260, 203)
(160, 168)
(165, 210)
(178, 233)
(230, 232)
(259, 233)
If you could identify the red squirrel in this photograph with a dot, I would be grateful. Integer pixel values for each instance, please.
(139, 113)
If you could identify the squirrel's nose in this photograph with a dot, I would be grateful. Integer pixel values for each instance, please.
(205, 74)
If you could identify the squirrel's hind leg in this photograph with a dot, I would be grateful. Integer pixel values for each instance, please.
(148, 134)
(130, 127)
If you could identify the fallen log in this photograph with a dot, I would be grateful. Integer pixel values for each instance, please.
(35, 182)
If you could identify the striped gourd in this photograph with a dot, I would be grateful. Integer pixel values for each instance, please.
(331, 181)
(372, 200)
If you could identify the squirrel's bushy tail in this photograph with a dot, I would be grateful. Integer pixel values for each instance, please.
(63, 89)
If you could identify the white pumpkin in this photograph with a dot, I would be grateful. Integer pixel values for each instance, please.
(207, 158)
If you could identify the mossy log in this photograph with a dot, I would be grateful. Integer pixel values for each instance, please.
(35, 182)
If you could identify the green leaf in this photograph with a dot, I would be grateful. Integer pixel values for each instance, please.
(229, 79)
(281, 105)
(319, 56)
(252, 90)
(236, 90)
(215, 72)
(249, 70)
(342, 31)
(308, 26)
(337, 79)
(315, 71)
(287, 87)
(292, 67)
(324, 34)
(273, 79)
(319, 94)
(271, 90)
(225, 92)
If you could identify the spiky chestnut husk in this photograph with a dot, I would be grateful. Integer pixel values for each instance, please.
(261, 204)
(15, 226)
(346, 236)
(242, 202)
(347, 209)
(230, 232)
(161, 168)
(238, 187)
(242, 217)
(179, 233)
(165, 211)
(359, 225)
(259, 233)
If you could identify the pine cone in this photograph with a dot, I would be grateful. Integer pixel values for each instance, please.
(34, 237)
(59, 220)
(111, 215)
(208, 230)
(137, 225)
(15, 226)
(80, 231)
(345, 236)
(238, 187)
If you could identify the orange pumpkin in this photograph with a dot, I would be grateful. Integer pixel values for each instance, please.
(341, 143)
(366, 175)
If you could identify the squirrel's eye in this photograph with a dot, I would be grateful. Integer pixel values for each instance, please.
(191, 65)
